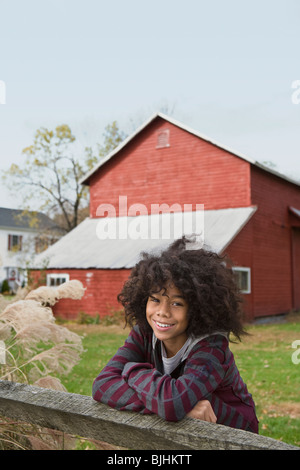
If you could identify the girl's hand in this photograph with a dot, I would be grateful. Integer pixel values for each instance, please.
(203, 410)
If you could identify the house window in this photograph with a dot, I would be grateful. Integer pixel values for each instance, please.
(14, 242)
(55, 279)
(243, 279)
(163, 139)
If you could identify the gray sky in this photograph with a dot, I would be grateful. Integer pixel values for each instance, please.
(223, 68)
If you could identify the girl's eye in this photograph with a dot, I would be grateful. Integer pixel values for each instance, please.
(153, 299)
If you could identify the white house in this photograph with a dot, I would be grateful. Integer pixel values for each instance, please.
(22, 235)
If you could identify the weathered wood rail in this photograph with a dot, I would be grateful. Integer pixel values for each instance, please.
(81, 415)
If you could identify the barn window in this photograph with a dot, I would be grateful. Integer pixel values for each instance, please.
(56, 279)
(243, 279)
(163, 139)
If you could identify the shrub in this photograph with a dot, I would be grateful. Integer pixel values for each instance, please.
(5, 286)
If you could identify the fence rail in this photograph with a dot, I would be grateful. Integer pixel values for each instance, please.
(81, 415)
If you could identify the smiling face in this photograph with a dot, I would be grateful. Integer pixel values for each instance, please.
(167, 314)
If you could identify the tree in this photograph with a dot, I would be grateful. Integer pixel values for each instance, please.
(51, 173)
(112, 138)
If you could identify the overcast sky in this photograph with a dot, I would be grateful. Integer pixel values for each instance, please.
(224, 68)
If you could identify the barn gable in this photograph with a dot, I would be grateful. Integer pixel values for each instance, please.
(175, 165)
(86, 179)
(189, 170)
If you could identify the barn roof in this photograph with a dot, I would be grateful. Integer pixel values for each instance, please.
(85, 179)
(82, 248)
(295, 211)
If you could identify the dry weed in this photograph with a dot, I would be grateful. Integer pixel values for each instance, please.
(35, 349)
(35, 346)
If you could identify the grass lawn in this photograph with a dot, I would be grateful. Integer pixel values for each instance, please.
(264, 359)
(265, 363)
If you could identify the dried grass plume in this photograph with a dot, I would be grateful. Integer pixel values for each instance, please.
(50, 295)
(35, 346)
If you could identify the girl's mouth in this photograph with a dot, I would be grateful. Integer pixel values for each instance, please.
(163, 326)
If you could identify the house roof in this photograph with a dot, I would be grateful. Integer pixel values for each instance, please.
(85, 248)
(85, 179)
(18, 219)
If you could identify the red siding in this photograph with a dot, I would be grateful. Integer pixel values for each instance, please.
(240, 251)
(190, 171)
(272, 267)
(102, 288)
(296, 266)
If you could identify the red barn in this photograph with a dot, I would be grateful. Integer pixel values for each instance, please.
(251, 212)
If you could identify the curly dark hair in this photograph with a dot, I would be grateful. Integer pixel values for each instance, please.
(204, 279)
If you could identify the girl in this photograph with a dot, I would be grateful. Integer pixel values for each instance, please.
(182, 306)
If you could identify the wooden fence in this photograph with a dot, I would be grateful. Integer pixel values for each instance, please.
(81, 415)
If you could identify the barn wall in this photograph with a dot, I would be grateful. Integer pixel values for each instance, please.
(240, 252)
(102, 288)
(189, 171)
(272, 255)
(296, 266)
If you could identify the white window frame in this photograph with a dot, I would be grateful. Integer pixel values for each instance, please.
(247, 270)
(57, 276)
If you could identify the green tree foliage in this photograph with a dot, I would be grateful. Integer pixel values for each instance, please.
(51, 173)
(112, 137)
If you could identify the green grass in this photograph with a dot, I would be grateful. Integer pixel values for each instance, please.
(265, 363)
(100, 344)
(264, 359)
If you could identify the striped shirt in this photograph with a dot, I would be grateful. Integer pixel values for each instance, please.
(134, 380)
